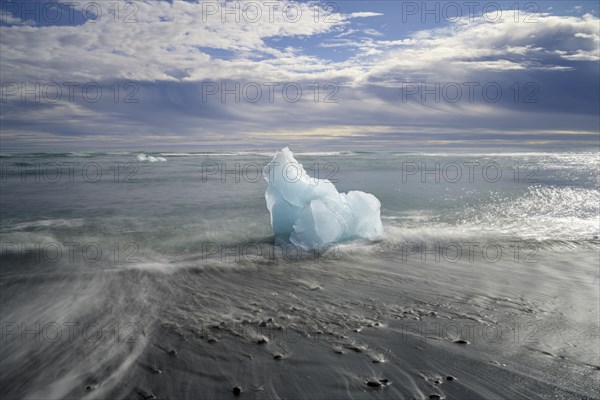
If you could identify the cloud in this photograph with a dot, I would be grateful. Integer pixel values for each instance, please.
(178, 36)
(372, 32)
(506, 45)
(364, 14)
(8, 18)
(165, 36)
(176, 47)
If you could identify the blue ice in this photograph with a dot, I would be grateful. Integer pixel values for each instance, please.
(310, 212)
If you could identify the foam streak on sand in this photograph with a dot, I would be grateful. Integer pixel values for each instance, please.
(144, 157)
(310, 212)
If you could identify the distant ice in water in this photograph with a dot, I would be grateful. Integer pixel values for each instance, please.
(310, 212)
(144, 157)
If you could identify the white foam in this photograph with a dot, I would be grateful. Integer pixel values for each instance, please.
(144, 157)
(255, 153)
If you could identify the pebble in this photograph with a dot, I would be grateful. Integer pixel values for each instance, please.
(172, 353)
(435, 396)
(357, 349)
(156, 371)
(278, 356)
(212, 340)
(377, 384)
(450, 378)
(462, 341)
(263, 341)
(237, 390)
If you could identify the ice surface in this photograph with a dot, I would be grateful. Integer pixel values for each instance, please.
(310, 212)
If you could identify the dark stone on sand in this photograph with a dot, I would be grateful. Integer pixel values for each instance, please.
(150, 396)
(212, 340)
(278, 356)
(462, 341)
(378, 383)
(438, 382)
(89, 387)
(450, 378)
(435, 396)
(263, 323)
(357, 349)
(263, 341)
(237, 390)
(156, 371)
(172, 353)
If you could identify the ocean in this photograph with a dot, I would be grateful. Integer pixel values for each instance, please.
(157, 276)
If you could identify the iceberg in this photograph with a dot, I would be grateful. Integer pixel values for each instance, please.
(310, 212)
(144, 157)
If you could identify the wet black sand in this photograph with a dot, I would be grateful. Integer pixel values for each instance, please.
(373, 328)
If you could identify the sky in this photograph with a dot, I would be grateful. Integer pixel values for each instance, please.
(263, 74)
